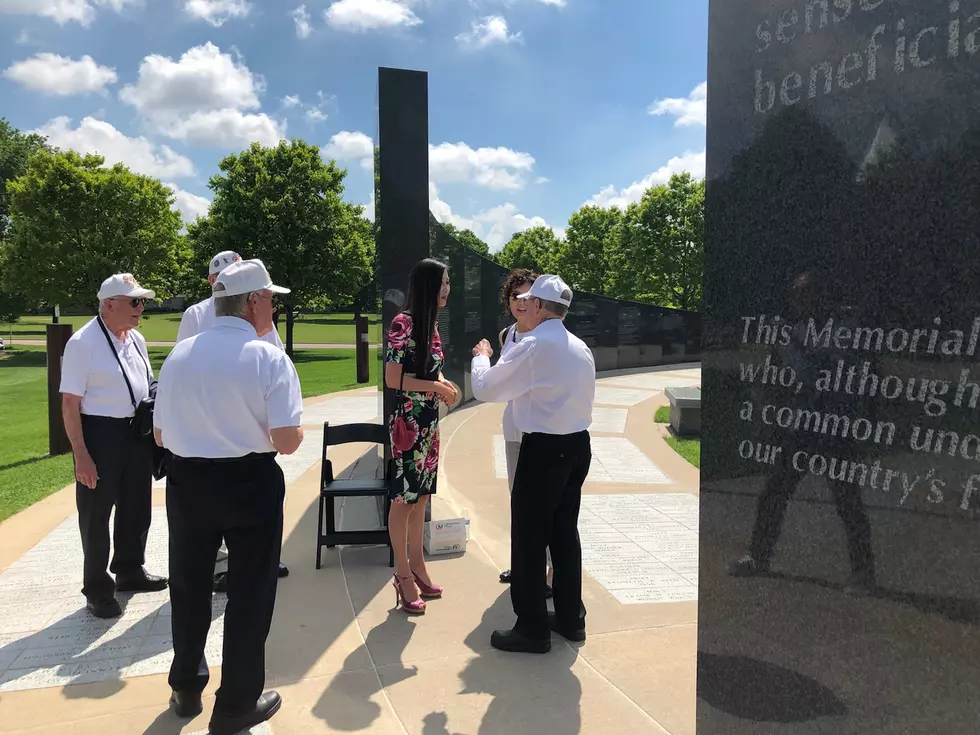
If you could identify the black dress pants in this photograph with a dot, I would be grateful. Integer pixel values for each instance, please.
(125, 468)
(544, 510)
(241, 501)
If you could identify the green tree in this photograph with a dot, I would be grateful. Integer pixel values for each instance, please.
(469, 239)
(75, 222)
(16, 149)
(582, 258)
(283, 205)
(534, 249)
(657, 249)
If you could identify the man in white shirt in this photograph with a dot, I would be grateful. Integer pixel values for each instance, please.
(226, 404)
(105, 373)
(200, 318)
(550, 377)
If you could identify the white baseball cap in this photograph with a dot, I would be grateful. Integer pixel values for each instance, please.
(246, 276)
(123, 284)
(222, 260)
(549, 288)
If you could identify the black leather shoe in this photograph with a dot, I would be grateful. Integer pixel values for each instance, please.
(186, 704)
(548, 592)
(283, 570)
(516, 642)
(142, 583)
(107, 608)
(221, 582)
(267, 705)
(505, 577)
(576, 635)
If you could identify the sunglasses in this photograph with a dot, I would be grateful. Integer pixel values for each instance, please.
(133, 302)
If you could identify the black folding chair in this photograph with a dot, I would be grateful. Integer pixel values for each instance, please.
(330, 488)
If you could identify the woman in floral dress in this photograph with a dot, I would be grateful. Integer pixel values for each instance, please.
(413, 368)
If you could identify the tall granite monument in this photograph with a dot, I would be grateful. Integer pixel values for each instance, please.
(839, 576)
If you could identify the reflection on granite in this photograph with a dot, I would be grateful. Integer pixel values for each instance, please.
(840, 478)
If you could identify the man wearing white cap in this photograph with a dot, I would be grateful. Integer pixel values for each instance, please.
(550, 377)
(105, 374)
(200, 318)
(226, 404)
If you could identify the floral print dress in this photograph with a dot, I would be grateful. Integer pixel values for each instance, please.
(414, 424)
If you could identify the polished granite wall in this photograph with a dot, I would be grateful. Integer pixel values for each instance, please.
(839, 590)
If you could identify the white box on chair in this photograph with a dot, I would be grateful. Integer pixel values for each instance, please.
(445, 537)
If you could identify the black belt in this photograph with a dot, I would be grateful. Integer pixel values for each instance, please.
(224, 460)
(574, 434)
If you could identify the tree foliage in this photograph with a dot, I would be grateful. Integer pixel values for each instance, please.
(74, 222)
(284, 206)
(582, 258)
(16, 149)
(533, 249)
(469, 238)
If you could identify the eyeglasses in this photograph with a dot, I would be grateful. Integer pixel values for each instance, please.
(133, 302)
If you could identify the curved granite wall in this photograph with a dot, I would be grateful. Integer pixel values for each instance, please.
(621, 334)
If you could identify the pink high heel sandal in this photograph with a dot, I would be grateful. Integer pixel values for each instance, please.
(412, 608)
(427, 591)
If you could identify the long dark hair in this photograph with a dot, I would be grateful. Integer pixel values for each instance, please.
(422, 303)
(515, 279)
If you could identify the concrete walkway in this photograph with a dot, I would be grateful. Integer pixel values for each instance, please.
(344, 659)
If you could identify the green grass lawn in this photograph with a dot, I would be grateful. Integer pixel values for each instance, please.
(28, 474)
(308, 329)
(689, 449)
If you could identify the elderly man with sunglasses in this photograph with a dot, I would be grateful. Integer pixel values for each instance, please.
(105, 374)
(199, 318)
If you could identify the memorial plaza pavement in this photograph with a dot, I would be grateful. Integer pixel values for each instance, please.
(343, 658)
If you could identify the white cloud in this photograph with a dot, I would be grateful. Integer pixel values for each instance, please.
(290, 100)
(190, 206)
(363, 15)
(316, 115)
(495, 226)
(217, 12)
(226, 128)
(686, 111)
(608, 197)
(59, 75)
(97, 136)
(351, 146)
(542, 180)
(301, 17)
(493, 168)
(62, 11)
(556, 3)
(486, 32)
(202, 79)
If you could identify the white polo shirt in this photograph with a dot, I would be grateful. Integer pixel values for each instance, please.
(550, 377)
(511, 432)
(200, 318)
(89, 370)
(222, 391)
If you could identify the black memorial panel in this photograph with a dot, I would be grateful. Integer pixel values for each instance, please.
(839, 590)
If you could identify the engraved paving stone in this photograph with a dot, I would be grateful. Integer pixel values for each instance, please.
(636, 551)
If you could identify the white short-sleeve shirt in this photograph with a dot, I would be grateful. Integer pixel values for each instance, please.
(89, 369)
(222, 391)
(200, 318)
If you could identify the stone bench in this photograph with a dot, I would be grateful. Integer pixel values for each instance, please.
(685, 410)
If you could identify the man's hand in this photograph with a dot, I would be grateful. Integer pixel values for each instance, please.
(85, 471)
(483, 348)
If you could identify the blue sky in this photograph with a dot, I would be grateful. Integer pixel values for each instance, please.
(536, 106)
